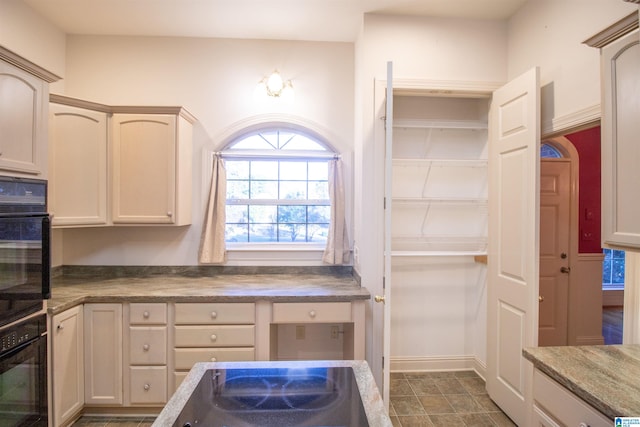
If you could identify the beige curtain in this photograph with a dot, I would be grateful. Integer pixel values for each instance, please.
(337, 250)
(212, 246)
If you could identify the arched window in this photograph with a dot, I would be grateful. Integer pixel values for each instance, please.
(277, 187)
(549, 151)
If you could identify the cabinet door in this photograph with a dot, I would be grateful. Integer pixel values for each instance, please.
(22, 114)
(67, 365)
(144, 169)
(78, 139)
(620, 148)
(103, 353)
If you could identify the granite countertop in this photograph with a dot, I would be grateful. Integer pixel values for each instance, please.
(284, 287)
(606, 377)
(371, 399)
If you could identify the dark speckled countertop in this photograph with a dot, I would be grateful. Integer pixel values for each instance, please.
(286, 285)
(606, 377)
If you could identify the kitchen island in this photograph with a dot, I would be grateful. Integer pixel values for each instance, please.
(321, 392)
(605, 377)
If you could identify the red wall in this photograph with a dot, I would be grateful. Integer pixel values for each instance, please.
(587, 142)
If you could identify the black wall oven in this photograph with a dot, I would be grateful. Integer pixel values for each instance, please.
(25, 259)
(25, 265)
(23, 373)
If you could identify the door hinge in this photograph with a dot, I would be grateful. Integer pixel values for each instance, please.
(382, 362)
(384, 282)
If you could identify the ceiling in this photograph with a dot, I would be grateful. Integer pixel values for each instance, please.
(315, 20)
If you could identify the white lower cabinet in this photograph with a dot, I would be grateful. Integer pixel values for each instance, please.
(555, 406)
(67, 365)
(147, 355)
(212, 332)
(103, 354)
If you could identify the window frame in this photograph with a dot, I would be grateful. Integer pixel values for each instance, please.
(277, 154)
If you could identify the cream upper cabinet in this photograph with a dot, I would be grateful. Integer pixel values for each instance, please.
(67, 365)
(620, 61)
(78, 166)
(151, 176)
(24, 90)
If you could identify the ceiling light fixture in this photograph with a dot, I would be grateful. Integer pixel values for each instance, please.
(275, 86)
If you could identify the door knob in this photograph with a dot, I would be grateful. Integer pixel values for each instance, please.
(566, 270)
(379, 298)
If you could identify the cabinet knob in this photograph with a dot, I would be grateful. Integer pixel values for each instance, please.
(145, 347)
(60, 325)
(312, 314)
(213, 359)
(214, 315)
(169, 214)
(214, 337)
(146, 314)
(147, 387)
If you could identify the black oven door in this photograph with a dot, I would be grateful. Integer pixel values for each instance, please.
(23, 385)
(25, 264)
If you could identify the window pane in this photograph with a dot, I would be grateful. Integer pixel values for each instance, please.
(262, 214)
(318, 171)
(301, 142)
(237, 169)
(263, 233)
(236, 233)
(237, 189)
(292, 233)
(318, 190)
(319, 214)
(295, 190)
(292, 214)
(264, 190)
(293, 171)
(264, 170)
(317, 233)
(253, 142)
(237, 214)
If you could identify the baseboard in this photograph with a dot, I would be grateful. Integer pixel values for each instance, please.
(594, 340)
(438, 363)
(613, 298)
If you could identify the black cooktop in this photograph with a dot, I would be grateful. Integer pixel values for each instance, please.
(266, 397)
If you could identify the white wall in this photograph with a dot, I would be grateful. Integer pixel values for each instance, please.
(549, 34)
(24, 32)
(215, 80)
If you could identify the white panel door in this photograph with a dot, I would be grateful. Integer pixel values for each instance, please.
(512, 296)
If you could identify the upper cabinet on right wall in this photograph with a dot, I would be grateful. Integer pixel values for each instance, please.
(620, 67)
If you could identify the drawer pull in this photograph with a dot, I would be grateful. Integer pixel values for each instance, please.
(214, 315)
(213, 359)
(312, 314)
(146, 387)
(145, 347)
(214, 337)
(146, 314)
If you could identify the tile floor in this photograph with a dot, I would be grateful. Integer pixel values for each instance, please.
(443, 399)
(96, 421)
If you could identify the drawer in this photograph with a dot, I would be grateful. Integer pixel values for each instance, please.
(564, 405)
(148, 345)
(186, 357)
(215, 336)
(311, 312)
(215, 313)
(148, 314)
(148, 385)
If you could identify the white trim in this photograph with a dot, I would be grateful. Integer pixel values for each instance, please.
(437, 364)
(569, 122)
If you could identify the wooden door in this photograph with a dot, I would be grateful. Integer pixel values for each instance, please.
(512, 293)
(555, 202)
